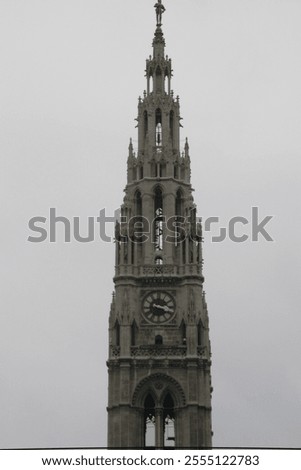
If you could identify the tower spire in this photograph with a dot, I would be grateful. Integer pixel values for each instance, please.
(159, 347)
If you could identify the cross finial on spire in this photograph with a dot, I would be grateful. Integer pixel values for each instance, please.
(160, 9)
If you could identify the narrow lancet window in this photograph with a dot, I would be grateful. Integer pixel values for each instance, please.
(159, 135)
(158, 340)
(137, 228)
(158, 128)
(200, 333)
(158, 225)
(141, 172)
(145, 123)
(183, 332)
(171, 124)
(176, 171)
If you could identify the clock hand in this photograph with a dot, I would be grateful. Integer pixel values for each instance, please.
(158, 306)
(166, 309)
(163, 307)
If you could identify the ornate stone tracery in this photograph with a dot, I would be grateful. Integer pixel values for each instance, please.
(168, 384)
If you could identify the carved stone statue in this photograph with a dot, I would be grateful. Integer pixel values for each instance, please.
(160, 9)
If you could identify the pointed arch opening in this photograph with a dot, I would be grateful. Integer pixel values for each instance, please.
(166, 81)
(200, 333)
(141, 172)
(183, 332)
(159, 398)
(171, 124)
(176, 171)
(145, 123)
(158, 127)
(158, 340)
(151, 82)
(198, 252)
(158, 219)
(159, 135)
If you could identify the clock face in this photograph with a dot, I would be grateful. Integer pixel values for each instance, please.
(158, 307)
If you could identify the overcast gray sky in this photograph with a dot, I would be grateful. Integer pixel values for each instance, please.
(72, 71)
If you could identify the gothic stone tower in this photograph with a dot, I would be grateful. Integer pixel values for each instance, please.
(159, 349)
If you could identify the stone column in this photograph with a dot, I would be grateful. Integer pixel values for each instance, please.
(159, 429)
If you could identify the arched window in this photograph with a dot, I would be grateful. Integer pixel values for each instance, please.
(176, 171)
(200, 333)
(118, 243)
(141, 172)
(158, 225)
(159, 135)
(158, 260)
(158, 340)
(149, 421)
(198, 246)
(183, 332)
(158, 398)
(166, 81)
(145, 122)
(158, 128)
(151, 82)
(171, 124)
